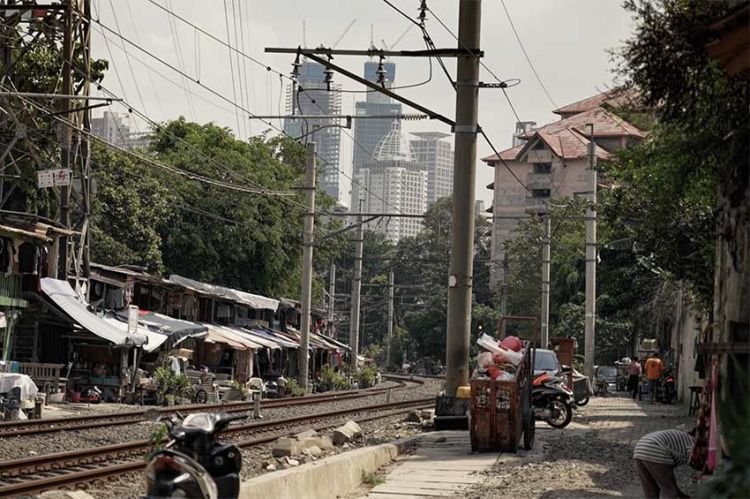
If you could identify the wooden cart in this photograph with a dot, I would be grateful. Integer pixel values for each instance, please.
(501, 411)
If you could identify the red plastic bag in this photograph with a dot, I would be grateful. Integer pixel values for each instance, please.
(511, 343)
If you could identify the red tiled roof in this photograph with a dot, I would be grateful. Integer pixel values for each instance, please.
(507, 155)
(573, 133)
(606, 124)
(614, 97)
(567, 144)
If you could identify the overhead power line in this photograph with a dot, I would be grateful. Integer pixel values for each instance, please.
(526, 55)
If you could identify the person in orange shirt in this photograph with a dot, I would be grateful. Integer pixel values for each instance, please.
(653, 367)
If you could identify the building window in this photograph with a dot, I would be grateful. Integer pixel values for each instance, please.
(542, 167)
(540, 193)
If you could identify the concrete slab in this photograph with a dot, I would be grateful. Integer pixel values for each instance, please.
(334, 476)
(442, 465)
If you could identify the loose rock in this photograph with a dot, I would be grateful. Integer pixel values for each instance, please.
(285, 447)
(344, 434)
(306, 434)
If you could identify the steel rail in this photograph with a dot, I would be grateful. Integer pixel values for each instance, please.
(14, 467)
(74, 423)
(93, 456)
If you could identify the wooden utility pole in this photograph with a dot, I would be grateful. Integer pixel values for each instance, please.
(307, 258)
(590, 318)
(462, 241)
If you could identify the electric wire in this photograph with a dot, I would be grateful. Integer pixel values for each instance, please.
(242, 83)
(526, 55)
(127, 59)
(249, 83)
(151, 161)
(138, 39)
(231, 69)
(216, 93)
(260, 63)
(180, 62)
(492, 73)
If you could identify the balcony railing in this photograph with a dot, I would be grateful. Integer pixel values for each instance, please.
(11, 291)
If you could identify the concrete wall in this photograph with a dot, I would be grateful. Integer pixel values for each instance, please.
(688, 323)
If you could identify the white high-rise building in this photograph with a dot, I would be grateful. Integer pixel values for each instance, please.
(436, 156)
(392, 182)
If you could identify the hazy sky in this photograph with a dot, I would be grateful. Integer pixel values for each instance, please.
(566, 40)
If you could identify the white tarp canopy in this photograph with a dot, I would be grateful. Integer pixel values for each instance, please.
(257, 302)
(155, 340)
(64, 297)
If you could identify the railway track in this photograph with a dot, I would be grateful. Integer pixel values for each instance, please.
(52, 425)
(66, 469)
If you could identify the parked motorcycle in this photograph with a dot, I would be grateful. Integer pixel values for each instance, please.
(552, 401)
(666, 391)
(193, 463)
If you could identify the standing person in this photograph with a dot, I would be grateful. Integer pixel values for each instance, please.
(653, 367)
(656, 455)
(634, 376)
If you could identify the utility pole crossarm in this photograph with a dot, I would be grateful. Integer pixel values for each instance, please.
(375, 52)
(328, 64)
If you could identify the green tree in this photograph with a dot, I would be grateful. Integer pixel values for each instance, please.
(131, 207)
(665, 188)
(236, 239)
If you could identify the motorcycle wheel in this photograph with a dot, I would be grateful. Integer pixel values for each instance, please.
(582, 402)
(563, 414)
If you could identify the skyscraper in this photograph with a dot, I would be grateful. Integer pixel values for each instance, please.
(314, 97)
(369, 132)
(436, 156)
(392, 182)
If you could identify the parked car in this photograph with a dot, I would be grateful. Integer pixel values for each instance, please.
(546, 361)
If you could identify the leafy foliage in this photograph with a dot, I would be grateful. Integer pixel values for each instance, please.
(665, 192)
(331, 380)
(294, 389)
(367, 377)
(170, 386)
(131, 208)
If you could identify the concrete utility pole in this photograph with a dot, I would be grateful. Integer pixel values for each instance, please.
(356, 288)
(307, 258)
(462, 241)
(390, 320)
(590, 320)
(331, 299)
(546, 250)
(504, 294)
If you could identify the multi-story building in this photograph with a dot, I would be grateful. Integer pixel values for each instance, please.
(436, 156)
(552, 163)
(314, 96)
(112, 127)
(391, 182)
(369, 132)
(115, 129)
